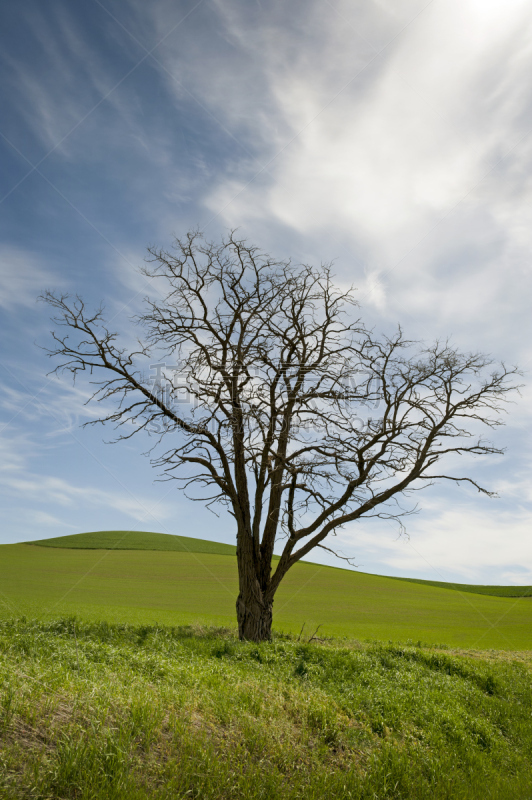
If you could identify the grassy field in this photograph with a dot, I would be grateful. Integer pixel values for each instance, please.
(475, 588)
(136, 713)
(137, 540)
(182, 587)
(144, 540)
(119, 687)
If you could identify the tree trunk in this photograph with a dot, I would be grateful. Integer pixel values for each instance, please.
(254, 617)
(253, 605)
(253, 610)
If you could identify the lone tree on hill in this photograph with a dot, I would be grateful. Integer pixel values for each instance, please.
(278, 404)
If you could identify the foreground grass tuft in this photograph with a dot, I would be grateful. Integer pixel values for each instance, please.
(116, 711)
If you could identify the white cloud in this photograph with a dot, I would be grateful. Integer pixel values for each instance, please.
(373, 289)
(23, 277)
(42, 518)
(44, 489)
(387, 157)
(63, 405)
(464, 543)
(421, 162)
(15, 449)
(68, 81)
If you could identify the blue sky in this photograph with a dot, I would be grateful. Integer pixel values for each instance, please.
(392, 137)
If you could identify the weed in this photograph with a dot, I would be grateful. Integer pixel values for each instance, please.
(168, 713)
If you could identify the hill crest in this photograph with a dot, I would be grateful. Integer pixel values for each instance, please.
(136, 540)
(147, 540)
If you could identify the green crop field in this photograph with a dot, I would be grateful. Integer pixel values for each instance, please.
(181, 580)
(137, 540)
(120, 685)
(494, 591)
(144, 540)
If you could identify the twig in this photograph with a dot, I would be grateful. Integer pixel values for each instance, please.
(315, 632)
(76, 640)
(301, 631)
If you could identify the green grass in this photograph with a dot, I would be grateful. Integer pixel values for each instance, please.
(144, 540)
(179, 588)
(137, 540)
(475, 588)
(90, 711)
(137, 696)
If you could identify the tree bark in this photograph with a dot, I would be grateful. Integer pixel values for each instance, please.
(253, 605)
(254, 617)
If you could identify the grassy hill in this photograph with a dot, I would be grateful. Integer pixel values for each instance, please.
(144, 540)
(186, 585)
(137, 540)
(121, 643)
(158, 713)
(475, 588)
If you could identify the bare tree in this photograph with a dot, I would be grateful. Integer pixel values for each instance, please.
(300, 419)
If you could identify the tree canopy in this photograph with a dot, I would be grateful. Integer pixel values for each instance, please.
(272, 398)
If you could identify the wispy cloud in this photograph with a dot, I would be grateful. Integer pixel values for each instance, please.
(43, 519)
(420, 165)
(392, 137)
(472, 544)
(45, 489)
(53, 399)
(76, 77)
(399, 146)
(23, 275)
